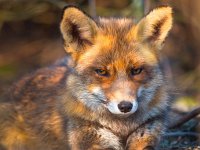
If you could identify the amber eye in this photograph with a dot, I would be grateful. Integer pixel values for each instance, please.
(101, 72)
(136, 71)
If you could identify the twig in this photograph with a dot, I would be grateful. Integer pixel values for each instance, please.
(181, 134)
(92, 7)
(181, 147)
(185, 118)
(146, 6)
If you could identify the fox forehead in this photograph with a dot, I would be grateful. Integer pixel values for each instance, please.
(115, 45)
(118, 27)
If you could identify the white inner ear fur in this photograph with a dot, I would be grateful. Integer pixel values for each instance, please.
(159, 22)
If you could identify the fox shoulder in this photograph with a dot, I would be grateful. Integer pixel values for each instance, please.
(41, 82)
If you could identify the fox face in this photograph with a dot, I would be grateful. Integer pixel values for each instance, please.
(115, 61)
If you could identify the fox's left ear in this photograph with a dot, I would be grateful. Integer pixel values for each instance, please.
(155, 26)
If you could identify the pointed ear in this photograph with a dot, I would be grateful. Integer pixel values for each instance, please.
(155, 26)
(77, 28)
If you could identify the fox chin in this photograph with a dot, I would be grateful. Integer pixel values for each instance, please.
(109, 93)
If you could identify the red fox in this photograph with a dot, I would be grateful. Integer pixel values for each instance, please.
(109, 93)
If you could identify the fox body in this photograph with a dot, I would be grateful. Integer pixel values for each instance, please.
(109, 93)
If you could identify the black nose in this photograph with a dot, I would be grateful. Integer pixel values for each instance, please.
(125, 106)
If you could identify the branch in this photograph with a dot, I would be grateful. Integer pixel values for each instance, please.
(185, 118)
(181, 134)
(92, 7)
(146, 6)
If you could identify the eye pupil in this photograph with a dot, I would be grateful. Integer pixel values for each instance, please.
(136, 71)
(101, 72)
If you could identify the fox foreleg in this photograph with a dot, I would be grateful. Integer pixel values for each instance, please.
(146, 137)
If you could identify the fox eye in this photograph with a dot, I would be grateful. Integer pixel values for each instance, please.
(136, 71)
(101, 72)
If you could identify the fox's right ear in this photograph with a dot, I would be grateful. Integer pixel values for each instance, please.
(77, 28)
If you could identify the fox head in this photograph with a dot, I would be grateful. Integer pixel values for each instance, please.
(115, 61)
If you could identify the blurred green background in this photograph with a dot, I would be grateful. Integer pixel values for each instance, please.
(30, 38)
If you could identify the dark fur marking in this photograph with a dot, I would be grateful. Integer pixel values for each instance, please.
(74, 31)
(142, 134)
(149, 148)
(156, 33)
(76, 35)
